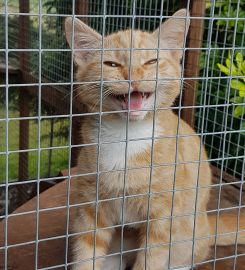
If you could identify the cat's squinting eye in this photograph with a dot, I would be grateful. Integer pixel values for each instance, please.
(151, 62)
(111, 64)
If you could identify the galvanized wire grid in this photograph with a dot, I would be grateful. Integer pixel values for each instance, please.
(214, 79)
(108, 16)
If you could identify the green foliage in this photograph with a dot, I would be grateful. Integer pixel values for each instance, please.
(145, 8)
(236, 68)
(214, 89)
(230, 9)
(55, 67)
(56, 158)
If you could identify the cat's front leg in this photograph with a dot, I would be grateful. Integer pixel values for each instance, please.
(86, 248)
(153, 242)
(155, 246)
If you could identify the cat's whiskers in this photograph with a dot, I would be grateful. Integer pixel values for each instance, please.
(81, 92)
(76, 89)
(105, 94)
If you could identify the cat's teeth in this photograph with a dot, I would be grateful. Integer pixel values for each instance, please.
(143, 94)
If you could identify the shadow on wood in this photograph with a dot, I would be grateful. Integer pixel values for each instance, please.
(52, 232)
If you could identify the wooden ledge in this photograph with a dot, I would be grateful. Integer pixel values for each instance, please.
(11, 69)
(52, 224)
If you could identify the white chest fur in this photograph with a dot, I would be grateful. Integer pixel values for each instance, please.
(119, 143)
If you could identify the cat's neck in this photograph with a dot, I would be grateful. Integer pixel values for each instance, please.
(115, 129)
(119, 129)
(117, 136)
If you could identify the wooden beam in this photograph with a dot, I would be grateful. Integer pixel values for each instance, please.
(24, 101)
(53, 95)
(226, 177)
(53, 223)
(194, 40)
(24, 98)
(11, 69)
(82, 8)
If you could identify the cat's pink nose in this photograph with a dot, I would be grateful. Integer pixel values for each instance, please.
(134, 86)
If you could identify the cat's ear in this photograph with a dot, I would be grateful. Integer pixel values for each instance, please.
(174, 31)
(84, 38)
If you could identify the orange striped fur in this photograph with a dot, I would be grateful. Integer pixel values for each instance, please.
(176, 167)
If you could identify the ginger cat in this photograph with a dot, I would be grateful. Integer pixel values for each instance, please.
(140, 197)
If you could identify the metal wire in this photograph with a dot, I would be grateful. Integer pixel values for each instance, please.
(7, 144)
(127, 135)
(177, 147)
(70, 144)
(152, 144)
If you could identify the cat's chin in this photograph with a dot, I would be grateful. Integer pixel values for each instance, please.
(134, 116)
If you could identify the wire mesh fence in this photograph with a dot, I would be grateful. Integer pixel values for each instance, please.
(226, 38)
(43, 134)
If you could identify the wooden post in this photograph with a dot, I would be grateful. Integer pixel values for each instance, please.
(24, 101)
(194, 40)
(24, 97)
(82, 8)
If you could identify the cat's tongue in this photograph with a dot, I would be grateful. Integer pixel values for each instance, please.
(136, 100)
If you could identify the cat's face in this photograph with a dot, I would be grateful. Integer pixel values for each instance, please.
(130, 74)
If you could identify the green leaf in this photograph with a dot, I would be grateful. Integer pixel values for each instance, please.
(237, 100)
(243, 67)
(224, 69)
(239, 111)
(238, 85)
(229, 54)
(241, 93)
(228, 62)
(219, 3)
(239, 60)
(208, 5)
(234, 70)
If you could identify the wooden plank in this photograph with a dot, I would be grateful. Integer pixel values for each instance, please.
(229, 197)
(82, 8)
(24, 103)
(226, 177)
(55, 96)
(225, 264)
(52, 223)
(11, 69)
(24, 97)
(22, 229)
(195, 39)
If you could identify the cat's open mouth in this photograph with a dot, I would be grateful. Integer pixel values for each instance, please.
(135, 101)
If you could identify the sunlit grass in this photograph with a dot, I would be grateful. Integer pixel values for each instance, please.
(49, 162)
